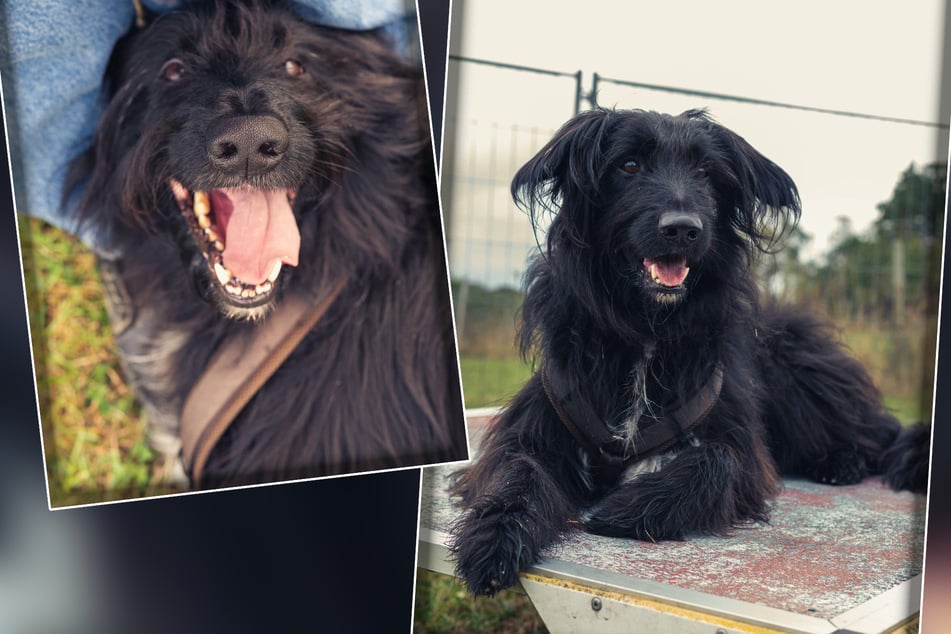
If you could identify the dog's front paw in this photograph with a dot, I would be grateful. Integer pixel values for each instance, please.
(490, 548)
(645, 524)
(840, 467)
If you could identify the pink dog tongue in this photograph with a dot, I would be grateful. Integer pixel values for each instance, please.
(260, 231)
(668, 272)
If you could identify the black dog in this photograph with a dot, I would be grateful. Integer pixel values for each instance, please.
(668, 399)
(246, 156)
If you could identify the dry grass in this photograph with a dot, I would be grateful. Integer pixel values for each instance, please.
(900, 359)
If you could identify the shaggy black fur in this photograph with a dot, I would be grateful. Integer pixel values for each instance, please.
(638, 198)
(246, 100)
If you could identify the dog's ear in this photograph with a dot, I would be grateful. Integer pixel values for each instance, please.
(104, 168)
(764, 198)
(115, 197)
(567, 170)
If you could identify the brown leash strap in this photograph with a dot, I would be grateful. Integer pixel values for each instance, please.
(238, 370)
(597, 440)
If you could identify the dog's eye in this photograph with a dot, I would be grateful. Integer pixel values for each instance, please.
(631, 167)
(173, 69)
(293, 68)
(701, 171)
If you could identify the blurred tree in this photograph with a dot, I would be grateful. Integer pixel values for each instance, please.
(892, 268)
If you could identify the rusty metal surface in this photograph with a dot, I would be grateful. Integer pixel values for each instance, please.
(826, 549)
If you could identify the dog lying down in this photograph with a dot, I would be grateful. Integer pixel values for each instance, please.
(247, 158)
(668, 399)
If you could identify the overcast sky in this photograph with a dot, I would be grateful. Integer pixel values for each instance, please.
(867, 57)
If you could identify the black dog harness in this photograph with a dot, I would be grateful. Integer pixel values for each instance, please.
(672, 425)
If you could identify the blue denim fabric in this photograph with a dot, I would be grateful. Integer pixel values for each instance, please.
(52, 61)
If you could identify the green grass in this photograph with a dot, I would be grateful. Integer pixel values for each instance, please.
(907, 409)
(492, 382)
(92, 426)
(444, 607)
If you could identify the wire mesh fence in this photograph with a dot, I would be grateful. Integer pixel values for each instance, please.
(878, 282)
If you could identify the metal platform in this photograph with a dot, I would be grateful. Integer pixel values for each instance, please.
(831, 559)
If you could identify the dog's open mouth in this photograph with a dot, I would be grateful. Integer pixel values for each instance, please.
(667, 275)
(246, 236)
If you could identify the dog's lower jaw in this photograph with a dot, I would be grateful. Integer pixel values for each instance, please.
(659, 295)
(669, 299)
(255, 313)
(211, 292)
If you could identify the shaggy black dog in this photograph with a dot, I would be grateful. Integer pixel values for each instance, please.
(246, 156)
(668, 400)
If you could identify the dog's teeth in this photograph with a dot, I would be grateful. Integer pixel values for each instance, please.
(272, 276)
(204, 221)
(223, 274)
(233, 289)
(263, 288)
(219, 245)
(201, 205)
(178, 190)
(654, 274)
(211, 235)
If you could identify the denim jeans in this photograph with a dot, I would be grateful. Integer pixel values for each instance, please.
(53, 55)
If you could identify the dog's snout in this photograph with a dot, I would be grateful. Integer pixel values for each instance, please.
(249, 144)
(680, 227)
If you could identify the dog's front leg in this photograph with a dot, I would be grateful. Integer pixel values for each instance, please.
(148, 348)
(519, 496)
(704, 489)
(505, 530)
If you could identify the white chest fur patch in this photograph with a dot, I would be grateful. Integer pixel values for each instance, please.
(640, 404)
(655, 463)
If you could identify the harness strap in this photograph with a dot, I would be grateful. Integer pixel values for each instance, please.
(238, 369)
(596, 439)
(589, 439)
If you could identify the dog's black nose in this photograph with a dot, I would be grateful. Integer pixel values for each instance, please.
(249, 144)
(677, 226)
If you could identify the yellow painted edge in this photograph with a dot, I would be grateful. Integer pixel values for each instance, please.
(653, 604)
